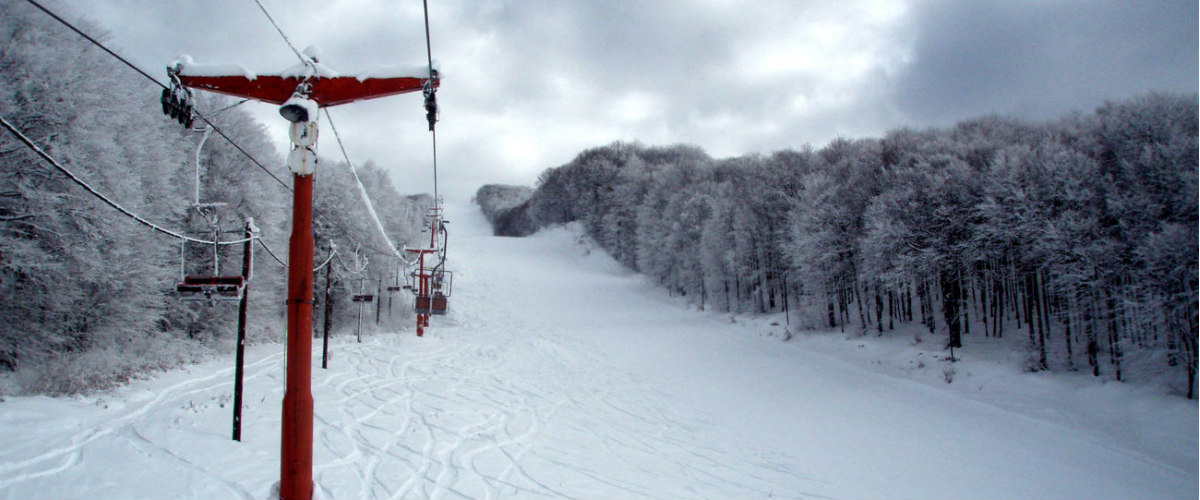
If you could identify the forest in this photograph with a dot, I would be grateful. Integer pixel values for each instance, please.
(1075, 238)
(87, 295)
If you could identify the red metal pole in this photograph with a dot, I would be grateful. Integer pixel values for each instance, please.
(425, 287)
(421, 293)
(295, 480)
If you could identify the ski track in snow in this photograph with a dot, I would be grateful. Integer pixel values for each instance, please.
(68, 451)
(502, 398)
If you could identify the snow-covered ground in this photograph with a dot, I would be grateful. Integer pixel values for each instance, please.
(560, 374)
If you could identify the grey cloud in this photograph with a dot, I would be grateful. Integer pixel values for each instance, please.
(1042, 59)
(548, 77)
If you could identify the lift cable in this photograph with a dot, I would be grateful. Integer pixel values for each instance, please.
(87, 187)
(280, 30)
(271, 253)
(327, 260)
(361, 189)
(431, 111)
(332, 254)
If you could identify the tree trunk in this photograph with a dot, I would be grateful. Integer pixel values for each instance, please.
(924, 303)
(1090, 328)
(787, 313)
(951, 309)
(1027, 283)
(891, 310)
(862, 317)
(1189, 343)
(929, 312)
(964, 305)
(1190, 350)
(983, 303)
(999, 298)
(832, 311)
(878, 309)
(1047, 303)
(1018, 295)
(904, 301)
(1039, 299)
(1115, 353)
(1070, 321)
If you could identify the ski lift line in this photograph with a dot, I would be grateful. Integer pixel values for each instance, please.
(87, 187)
(229, 107)
(428, 46)
(94, 41)
(327, 261)
(360, 266)
(361, 189)
(280, 30)
(345, 268)
(216, 129)
(272, 254)
(433, 133)
(243, 151)
(284, 264)
(430, 96)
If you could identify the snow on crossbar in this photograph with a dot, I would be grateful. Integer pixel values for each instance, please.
(326, 91)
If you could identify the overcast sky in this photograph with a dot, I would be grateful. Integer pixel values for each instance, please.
(527, 84)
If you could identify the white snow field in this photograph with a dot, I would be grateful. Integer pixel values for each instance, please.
(558, 374)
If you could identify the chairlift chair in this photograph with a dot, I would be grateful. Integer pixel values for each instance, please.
(392, 289)
(438, 305)
(423, 304)
(440, 285)
(211, 287)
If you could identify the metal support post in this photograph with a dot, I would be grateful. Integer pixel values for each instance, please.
(295, 482)
(328, 313)
(240, 356)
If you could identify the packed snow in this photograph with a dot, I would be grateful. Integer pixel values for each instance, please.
(559, 374)
(186, 67)
(399, 71)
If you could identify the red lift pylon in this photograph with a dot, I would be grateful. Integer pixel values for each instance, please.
(431, 281)
(421, 288)
(301, 92)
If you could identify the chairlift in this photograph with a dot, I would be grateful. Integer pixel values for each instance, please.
(439, 304)
(435, 304)
(430, 285)
(214, 286)
(436, 300)
(442, 282)
(395, 287)
(211, 287)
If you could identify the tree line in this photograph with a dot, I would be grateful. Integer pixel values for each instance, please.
(1076, 236)
(87, 295)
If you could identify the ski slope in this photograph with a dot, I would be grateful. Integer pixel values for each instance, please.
(558, 374)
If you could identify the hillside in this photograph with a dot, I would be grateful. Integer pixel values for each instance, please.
(558, 374)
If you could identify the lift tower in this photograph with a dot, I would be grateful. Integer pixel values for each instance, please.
(300, 91)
